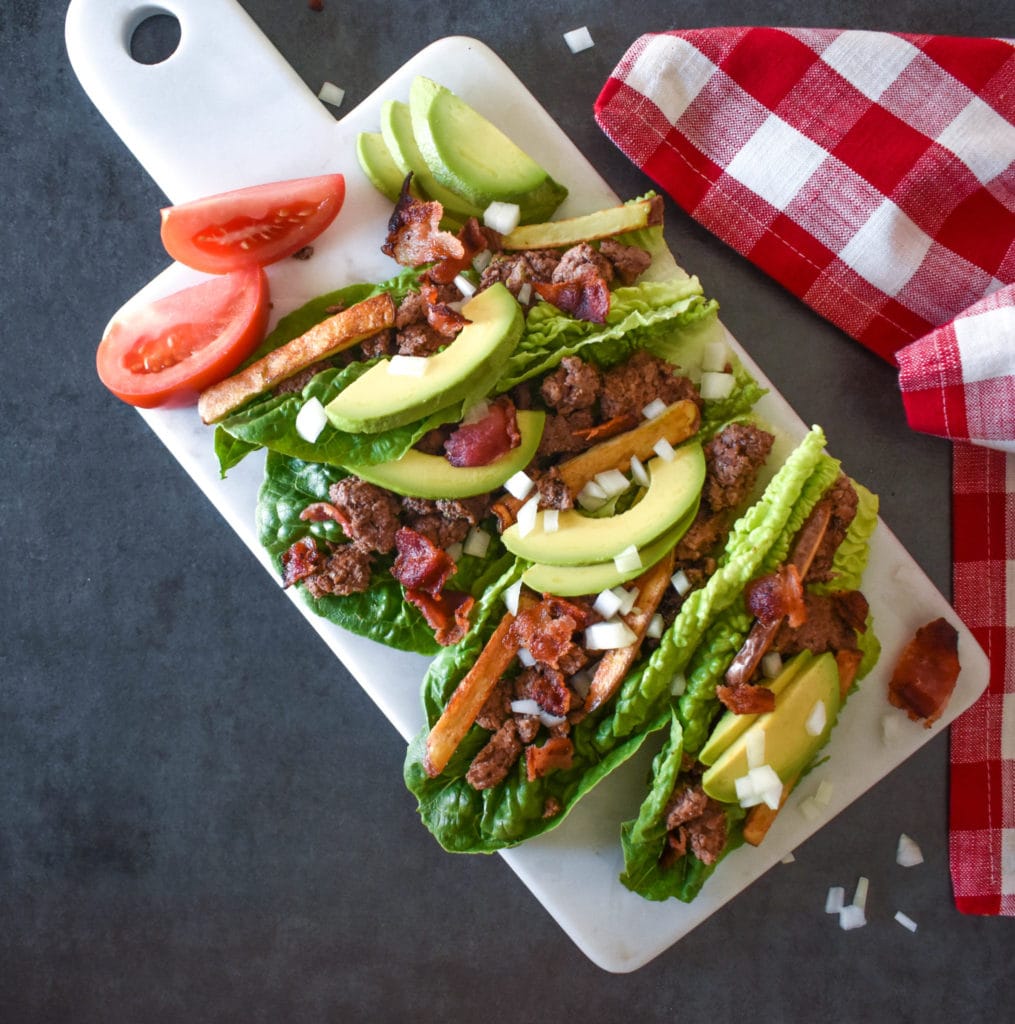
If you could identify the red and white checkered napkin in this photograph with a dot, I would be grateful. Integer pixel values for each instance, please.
(873, 175)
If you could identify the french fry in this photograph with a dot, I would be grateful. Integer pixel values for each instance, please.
(676, 424)
(615, 664)
(470, 695)
(338, 332)
(760, 818)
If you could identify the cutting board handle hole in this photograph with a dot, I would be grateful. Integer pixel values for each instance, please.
(155, 38)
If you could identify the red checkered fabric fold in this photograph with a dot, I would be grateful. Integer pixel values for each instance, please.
(873, 175)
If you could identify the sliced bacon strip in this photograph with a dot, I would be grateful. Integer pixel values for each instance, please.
(557, 752)
(925, 675)
(485, 440)
(414, 233)
(585, 298)
(420, 564)
(300, 560)
(446, 613)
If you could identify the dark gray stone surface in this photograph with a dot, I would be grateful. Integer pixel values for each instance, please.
(202, 817)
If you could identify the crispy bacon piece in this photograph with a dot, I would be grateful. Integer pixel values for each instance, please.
(778, 596)
(547, 687)
(926, 672)
(420, 565)
(546, 629)
(320, 511)
(301, 560)
(474, 238)
(746, 698)
(585, 298)
(556, 752)
(414, 233)
(446, 613)
(439, 315)
(485, 440)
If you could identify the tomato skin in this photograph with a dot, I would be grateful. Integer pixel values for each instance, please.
(251, 226)
(167, 352)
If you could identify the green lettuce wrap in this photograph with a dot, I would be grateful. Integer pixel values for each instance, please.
(644, 838)
(465, 819)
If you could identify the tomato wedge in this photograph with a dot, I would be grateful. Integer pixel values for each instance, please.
(252, 226)
(172, 349)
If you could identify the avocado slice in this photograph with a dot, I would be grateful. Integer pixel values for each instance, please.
(396, 132)
(559, 234)
(576, 580)
(475, 159)
(674, 487)
(789, 747)
(468, 367)
(419, 475)
(378, 165)
(731, 726)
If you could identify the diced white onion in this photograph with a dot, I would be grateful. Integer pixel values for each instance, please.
(715, 357)
(520, 485)
(454, 551)
(608, 636)
(578, 39)
(905, 920)
(477, 412)
(743, 785)
(628, 560)
(551, 720)
(664, 450)
(655, 627)
(755, 747)
(512, 595)
(407, 366)
(681, 584)
(481, 260)
(613, 482)
(679, 684)
(581, 681)
(810, 809)
(525, 707)
(525, 657)
(889, 729)
(771, 664)
(464, 285)
(607, 604)
(525, 293)
(835, 900)
(823, 794)
(788, 859)
(860, 894)
(761, 784)
(716, 385)
(331, 94)
(502, 217)
(817, 719)
(627, 597)
(477, 542)
(551, 520)
(638, 472)
(851, 917)
(591, 497)
(311, 420)
(527, 516)
(908, 853)
(654, 409)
